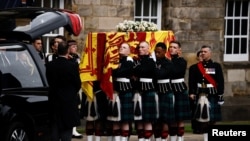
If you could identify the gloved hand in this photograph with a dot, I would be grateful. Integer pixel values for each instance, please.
(136, 63)
(220, 99)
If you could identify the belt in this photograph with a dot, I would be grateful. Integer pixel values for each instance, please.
(122, 80)
(163, 81)
(147, 80)
(177, 80)
(206, 85)
(203, 94)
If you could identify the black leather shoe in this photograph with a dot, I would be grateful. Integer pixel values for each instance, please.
(77, 137)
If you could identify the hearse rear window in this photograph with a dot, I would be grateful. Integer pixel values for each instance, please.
(18, 68)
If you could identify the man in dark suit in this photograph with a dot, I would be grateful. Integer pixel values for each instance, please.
(38, 45)
(64, 83)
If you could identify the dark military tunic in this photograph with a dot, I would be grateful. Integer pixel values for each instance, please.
(75, 58)
(199, 84)
(144, 70)
(182, 106)
(164, 70)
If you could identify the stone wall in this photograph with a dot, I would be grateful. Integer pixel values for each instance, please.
(199, 22)
(102, 15)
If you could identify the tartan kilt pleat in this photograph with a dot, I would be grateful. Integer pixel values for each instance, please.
(114, 108)
(149, 107)
(182, 106)
(166, 104)
(90, 110)
(215, 108)
(127, 106)
(137, 110)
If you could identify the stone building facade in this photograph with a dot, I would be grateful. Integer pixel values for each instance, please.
(194, 23)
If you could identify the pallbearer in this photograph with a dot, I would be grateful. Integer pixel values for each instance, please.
(179, 87)
(122, 103)
(164, 70)
(144, 71)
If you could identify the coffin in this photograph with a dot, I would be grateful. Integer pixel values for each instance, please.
(101, 53)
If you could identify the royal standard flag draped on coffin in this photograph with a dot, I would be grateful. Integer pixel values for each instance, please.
(100, 56)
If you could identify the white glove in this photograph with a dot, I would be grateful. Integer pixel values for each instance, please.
(220, 100)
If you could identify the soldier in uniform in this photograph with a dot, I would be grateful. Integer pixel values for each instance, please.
(181, 102)
(73, 56)
(207, 84)
(123, 96)
(144, 71)
(164, 68)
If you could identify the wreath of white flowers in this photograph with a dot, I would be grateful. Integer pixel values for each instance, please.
(136, 26)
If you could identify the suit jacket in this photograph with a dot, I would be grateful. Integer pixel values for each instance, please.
(64, 83)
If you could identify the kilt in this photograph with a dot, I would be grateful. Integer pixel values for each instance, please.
(114, 108)
(102, 106)
(215, 108)
(149, 109)
(90, 110)
(182, 106)
(99, 107)
(202, 109)
(166, 107)
(127, 106)
(137, 100)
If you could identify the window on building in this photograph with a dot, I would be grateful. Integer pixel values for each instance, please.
(237, 31)
(148, 10)
(60, 31)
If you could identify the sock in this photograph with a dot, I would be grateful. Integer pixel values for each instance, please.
(164, 134)
(117, 132)
(125, 133)
(148, 134)
(98, 132)
(180, 131)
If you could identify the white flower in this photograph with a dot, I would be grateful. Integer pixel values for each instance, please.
(135, 26)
